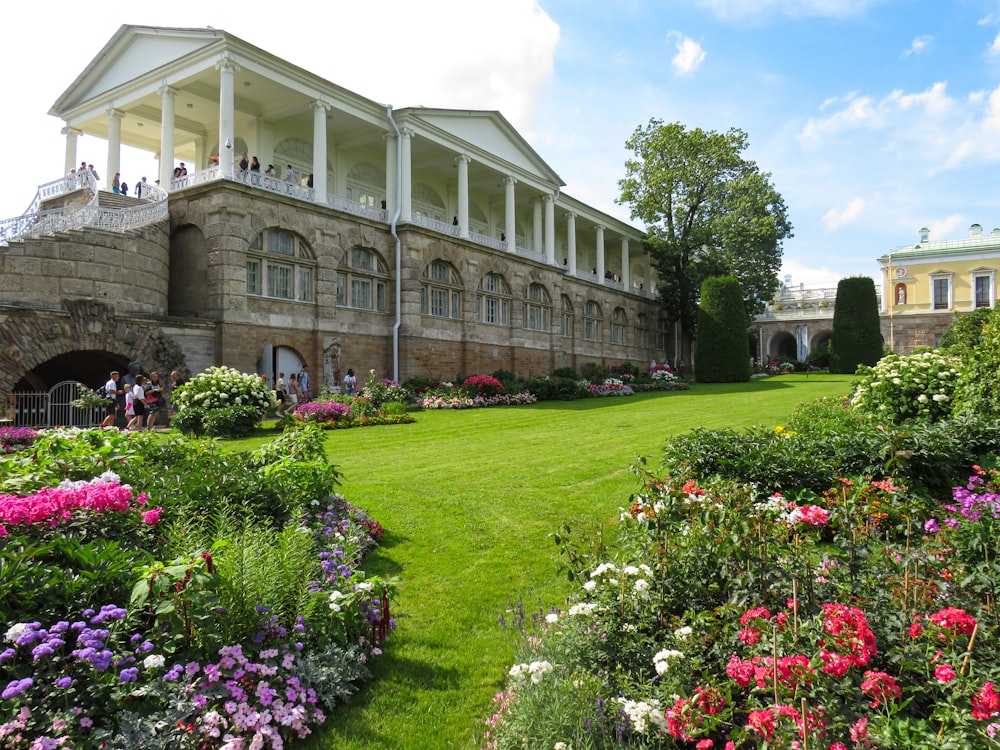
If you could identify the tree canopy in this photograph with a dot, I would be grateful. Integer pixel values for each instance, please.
(708, 212)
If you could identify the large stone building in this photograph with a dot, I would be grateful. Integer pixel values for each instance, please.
(418, 242)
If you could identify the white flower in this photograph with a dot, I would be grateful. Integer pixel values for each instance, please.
(630, 570)
(365, 586)
(15, 631)
(538, 669)
(335, 598)
(559, 746)
(589, 585)
(642, 588)
(682, 634)
(154, 661)
(663, 658)
(583, 608)
(518, 671)
(551, 617)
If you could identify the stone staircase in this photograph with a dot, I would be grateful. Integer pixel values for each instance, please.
(108, 199)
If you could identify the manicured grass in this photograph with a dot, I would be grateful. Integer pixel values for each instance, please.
(468, 499)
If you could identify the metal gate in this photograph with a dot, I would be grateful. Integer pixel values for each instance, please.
(51, 408)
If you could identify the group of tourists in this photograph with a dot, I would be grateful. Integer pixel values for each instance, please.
(137, 399)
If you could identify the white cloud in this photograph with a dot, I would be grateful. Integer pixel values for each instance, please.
(689, 55)
(812, 277)
(836, 218)
(947, 228)
(919, 45)
(995, 47)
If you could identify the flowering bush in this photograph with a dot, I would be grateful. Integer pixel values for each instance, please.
(16, 438)
(482, 385)
(383, 391)
(722, 618)
(610, 387)
(222, 401)
(464, 402)
(322, 411)
(88, 398)
(917, 387)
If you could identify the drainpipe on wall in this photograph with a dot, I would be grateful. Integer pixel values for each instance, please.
(399, 254)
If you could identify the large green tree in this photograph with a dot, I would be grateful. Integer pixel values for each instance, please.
(708, 212)
(857, 329)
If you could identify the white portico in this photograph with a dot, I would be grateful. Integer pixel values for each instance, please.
(203, 98)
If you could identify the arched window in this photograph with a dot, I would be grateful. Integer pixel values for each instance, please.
(366, 185)
(642, 330)
(537, 308)
(361, 281)
(280, 265)
(567, 317)
(618, 323)
(592, 321)
(662, 331)
(441, 291)
(493, 300)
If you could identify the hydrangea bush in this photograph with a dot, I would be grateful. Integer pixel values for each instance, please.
(222, 401)
(915, 387)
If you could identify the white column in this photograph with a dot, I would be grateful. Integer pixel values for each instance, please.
(167, 95)
(114, 144)
(390, 173)
(571, 241)
(406, 210)
(227, 108)
(550, 228)
(319, 151)
(536, 225)
(462, 161)
(509, 219)
(599, 250)
(625, 271)
(71, 136)
(649, 274)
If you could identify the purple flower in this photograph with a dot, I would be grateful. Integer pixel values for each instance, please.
(63, 682)
(16, 687)
(129, 674)
(931, 526)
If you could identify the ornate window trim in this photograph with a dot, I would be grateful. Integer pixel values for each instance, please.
(618, 323)
(280, 265)
(441, 291)
(942, 291)
(493, 300)
(537, 308)
(592, 321)
(362, 280)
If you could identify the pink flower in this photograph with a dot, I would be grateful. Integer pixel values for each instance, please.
(880, 687)
(986, 702)
(944, 673)
(954, 621)
(763, 722)
(705, 744)
(151, 517)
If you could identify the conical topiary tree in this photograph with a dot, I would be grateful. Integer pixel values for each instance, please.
(722, 354)
(857, 332)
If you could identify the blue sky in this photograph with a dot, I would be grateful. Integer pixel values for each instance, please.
(874, 117)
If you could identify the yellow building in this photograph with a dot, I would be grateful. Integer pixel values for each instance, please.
(928, 283)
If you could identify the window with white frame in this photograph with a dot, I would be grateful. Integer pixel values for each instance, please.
(982, 288)
(642, 330)
(493, 300)
(361, 281)
(592, 321)
(280, 265)
(941, 291)
(618, 323)
(441, 291)
(567, 317)
(537, 308)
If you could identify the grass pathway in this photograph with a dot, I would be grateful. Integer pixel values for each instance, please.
(468, 499)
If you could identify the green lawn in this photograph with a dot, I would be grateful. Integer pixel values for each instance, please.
(468, 499)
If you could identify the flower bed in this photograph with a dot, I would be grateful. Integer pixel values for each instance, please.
(119, 635)
(862, 616)
(477, 402)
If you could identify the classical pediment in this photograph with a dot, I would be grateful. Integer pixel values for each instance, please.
(132, 52)
(488, 132)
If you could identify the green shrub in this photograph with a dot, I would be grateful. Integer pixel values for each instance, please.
(221, 402)
(566, 372)
(919, 387)
(857, 334)
(963, 336)
(418, 386)
(594, 372)
(979, 390)
(723, 351)
(556, 389)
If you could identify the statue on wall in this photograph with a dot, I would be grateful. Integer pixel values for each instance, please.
(900, 294)
(331, 366)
